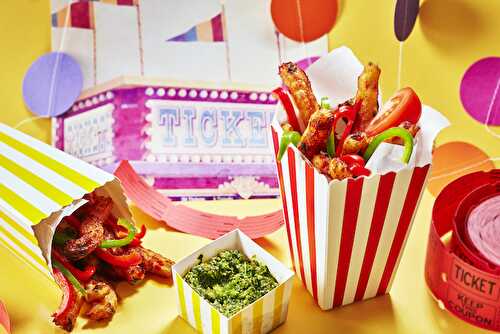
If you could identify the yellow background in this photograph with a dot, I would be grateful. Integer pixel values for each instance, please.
(449, 36)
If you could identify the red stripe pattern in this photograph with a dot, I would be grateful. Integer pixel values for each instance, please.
(283, 197)
(414, 191)
(311, 228)
(351, 210)
(379, 213)
(295, 206)
(373, 216)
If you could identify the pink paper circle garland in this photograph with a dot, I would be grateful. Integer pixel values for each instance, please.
(480, 90)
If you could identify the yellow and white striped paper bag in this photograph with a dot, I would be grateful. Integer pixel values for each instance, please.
(262, 316)
(39, 185)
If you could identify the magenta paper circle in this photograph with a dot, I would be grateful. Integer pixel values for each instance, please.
(480, 90)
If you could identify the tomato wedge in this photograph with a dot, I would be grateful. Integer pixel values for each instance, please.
(403, 106)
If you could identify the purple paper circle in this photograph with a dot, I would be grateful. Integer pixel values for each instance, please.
(405, 16)
(52, 84)
(480, 90)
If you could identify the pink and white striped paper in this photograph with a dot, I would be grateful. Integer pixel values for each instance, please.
(346, 237)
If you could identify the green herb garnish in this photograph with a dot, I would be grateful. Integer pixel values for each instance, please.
(230, 281)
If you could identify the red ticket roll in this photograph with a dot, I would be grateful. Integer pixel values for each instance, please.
(458, 275)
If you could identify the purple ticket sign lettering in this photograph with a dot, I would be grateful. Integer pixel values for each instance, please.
(190, 143)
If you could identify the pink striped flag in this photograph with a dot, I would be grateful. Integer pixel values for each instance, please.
(213, 30)
(346, 237)
(82, 13)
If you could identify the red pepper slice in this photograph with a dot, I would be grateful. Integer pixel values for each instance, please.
(348, 113)
(141, 234)
(356, 164)
(358, 170)
(288, 106)
(118, 260)
(138, 237)
(69, 295)
(81, 275)
(351, 159)
(135, 243)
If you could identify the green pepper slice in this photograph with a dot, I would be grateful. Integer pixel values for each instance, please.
(402, 133)
(287, 138)
(60, 238)
(330, 145)
(121, 242)
(69, 276)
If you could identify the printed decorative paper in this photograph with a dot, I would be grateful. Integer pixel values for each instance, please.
(203, 40)
(189, 141)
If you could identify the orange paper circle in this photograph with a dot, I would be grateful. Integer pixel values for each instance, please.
(317, 18)
(455, 159)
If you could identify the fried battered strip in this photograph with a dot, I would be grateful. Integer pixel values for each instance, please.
(334, 168)
(316, 134)
(300, 87)
(91, 230)
(132, 274)
(354, 143)
(366, 96)
(321, 162)
(103, 300)
(67, 322)
(155, 263)
(338, 169)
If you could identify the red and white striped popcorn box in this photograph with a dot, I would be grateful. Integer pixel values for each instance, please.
(346, 237)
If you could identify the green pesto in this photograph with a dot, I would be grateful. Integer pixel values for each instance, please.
(230, 281)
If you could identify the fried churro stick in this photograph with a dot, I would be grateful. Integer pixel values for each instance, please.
(316, 134)
(367, 95)
(333, 167)
(300, 87)
(103, 300)
(155, 263)
(354, 143)
(91, 230)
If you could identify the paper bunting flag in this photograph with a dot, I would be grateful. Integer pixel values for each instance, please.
(405, 17)
(82, 13)
(188, 220)
(212, 30)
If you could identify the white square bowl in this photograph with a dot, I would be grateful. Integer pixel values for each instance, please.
(262, 316)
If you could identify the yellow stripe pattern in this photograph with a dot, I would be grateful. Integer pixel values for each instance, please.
(233, 325)
(257, 313)
(56, 166)
(18, 228)
(197, 311)
(22, 206)
(27, 207)
(36, 182)
(215, 321)
(22, 256)
(182, 299)
(278, 304)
